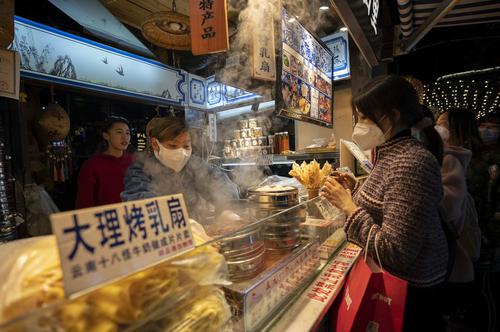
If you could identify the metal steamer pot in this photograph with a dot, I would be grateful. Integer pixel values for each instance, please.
(281, 232)
(244, 253)
(243, 250)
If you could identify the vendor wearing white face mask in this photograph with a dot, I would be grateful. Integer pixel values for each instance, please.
(172, 169)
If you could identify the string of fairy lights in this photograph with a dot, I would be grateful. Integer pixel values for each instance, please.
(477, 90)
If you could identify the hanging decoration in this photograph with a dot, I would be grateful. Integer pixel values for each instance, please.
(60, 163)
(54, 122)
(168, 29)
(6, 22)
(56, 125)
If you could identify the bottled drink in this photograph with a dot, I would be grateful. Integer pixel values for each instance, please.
(286, 141)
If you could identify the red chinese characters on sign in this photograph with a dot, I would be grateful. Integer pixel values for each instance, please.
(209, 31)
(330, 279)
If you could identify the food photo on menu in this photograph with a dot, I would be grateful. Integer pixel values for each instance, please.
(296, 94)
(325, 105)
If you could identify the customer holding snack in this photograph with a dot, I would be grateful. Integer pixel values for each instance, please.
(398, 204)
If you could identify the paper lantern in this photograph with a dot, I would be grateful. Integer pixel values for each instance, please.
(6, 22)
(54, 122)
(168, 29)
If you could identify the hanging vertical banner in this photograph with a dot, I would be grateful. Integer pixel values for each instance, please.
(338, 43)
(264, 60)
(9, 74)
(209, 31)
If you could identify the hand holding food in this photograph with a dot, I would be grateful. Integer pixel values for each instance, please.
(346, 180)
(339, 196)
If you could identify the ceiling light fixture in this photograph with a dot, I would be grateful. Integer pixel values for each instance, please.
(343, 29)
(324, 8)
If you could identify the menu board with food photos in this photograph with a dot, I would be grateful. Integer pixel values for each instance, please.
(305, 90)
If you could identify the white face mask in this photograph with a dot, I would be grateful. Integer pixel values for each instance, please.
(443, 132)
(367, 135)
(174, 159)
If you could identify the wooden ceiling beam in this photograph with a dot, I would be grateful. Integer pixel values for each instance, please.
(355, 30)
(436, 16)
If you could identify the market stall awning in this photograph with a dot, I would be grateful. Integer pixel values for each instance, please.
(418, 17)
(464, 12)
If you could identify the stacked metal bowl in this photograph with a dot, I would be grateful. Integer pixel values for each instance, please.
(244, 253)
(281, 232)
(241, 244)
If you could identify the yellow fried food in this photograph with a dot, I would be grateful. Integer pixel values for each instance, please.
(311, 175)
(207, 312)
(125, 303)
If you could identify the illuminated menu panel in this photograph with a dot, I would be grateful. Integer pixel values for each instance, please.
(305, 87)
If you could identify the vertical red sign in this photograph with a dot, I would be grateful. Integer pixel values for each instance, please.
(209, 30)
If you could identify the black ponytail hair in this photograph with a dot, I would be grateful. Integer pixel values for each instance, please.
(389, 94)
(433, 141)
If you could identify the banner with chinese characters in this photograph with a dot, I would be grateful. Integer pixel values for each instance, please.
(264, 59)
(338, 43)
(209, 29)
(305, 85)
(99, 245)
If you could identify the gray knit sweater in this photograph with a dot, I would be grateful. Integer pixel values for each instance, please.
(400, 200)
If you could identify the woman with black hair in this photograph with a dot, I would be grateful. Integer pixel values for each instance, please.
(101, 177)
(395, 212)
(457, 127)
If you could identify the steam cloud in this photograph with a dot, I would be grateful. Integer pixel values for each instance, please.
(254, 17)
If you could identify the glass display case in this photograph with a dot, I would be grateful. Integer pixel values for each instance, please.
(247, 272)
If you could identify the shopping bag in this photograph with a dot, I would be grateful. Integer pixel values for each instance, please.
(372, 299)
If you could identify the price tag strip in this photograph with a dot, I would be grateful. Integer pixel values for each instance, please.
(312, 305)
(102, 244)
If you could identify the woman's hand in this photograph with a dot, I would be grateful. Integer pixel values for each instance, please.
(339, 196)
(345, 179)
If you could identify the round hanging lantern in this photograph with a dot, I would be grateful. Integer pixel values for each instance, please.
(418, 86)
(168, 29)
(6, 23)
(55, 122)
